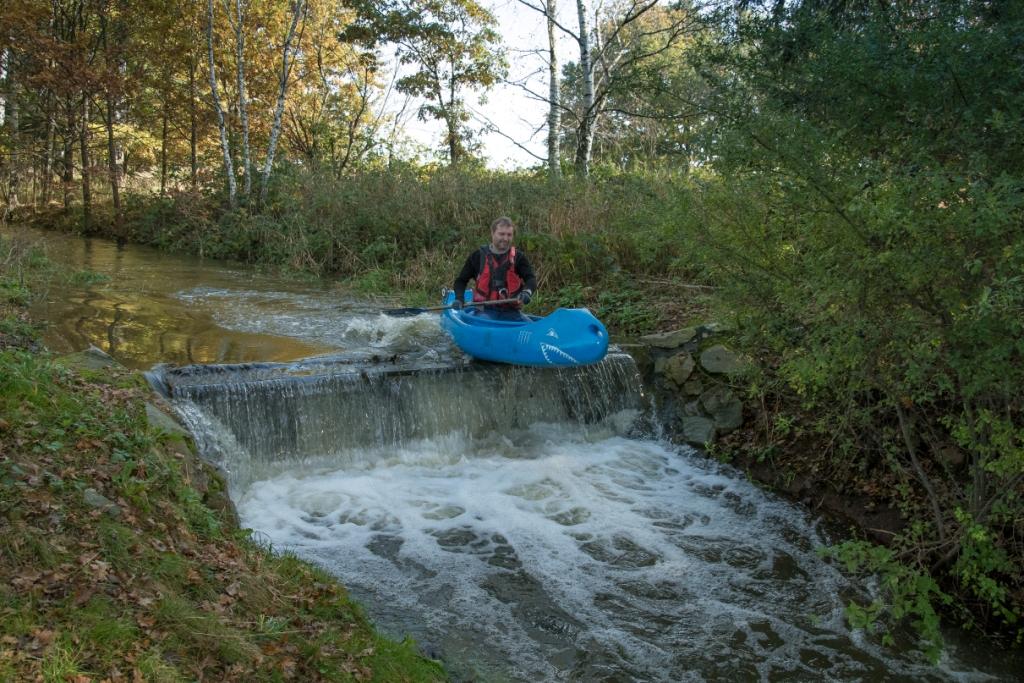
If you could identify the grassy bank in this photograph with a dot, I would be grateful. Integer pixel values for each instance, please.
(114, 565)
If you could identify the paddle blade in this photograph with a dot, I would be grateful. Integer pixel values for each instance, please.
(408, 312)
(403, 312)
(411, 311)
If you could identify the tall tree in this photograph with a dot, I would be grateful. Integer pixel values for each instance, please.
(554, 93)
(237, 19)
(10, 120)
(113, 38)
(615, 44)
(451, 46)
(229, 168)
(299, 9)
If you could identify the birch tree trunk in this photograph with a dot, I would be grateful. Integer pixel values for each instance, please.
(83, 138)
(585, 136)
(163, 153)
(51, 125)
(4, 57)
(112, 169)
(554, 97)
(238, 24)
(229, 168)
(452, 120)
(299, 9)
(193, 134)
(69, 150)
(14, 126)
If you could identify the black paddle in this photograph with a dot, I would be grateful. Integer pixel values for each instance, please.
(401, 312)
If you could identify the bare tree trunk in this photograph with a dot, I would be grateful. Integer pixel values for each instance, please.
(113, 63)
(229, 168)
(585, 132)
(9, 93)
(5, 56)
(299, 9)
(238, 24)
(193, 125)
(163, 153)
(454, 156)
(69, 151)
(554, 96)
(83, 137)
(14, 120)
(51, 124)
(112, 169)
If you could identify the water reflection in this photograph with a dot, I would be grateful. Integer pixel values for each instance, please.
(158, 307)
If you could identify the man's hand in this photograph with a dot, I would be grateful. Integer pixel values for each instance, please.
(525, 296)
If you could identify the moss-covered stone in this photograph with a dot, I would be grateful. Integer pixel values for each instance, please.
(679, 367)
(670, 340)
(720, 360)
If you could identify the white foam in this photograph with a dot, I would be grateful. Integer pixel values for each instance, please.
(315, 317)
(557, 546)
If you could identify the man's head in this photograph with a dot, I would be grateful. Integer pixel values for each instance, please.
(502, 232)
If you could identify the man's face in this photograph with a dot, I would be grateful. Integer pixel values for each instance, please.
(501, 237)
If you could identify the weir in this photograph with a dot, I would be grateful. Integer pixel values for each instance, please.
(260, 419)
(520, 524)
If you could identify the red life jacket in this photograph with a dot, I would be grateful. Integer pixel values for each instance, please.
(497, 278)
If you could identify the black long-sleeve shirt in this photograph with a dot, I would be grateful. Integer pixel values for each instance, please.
(475, 263)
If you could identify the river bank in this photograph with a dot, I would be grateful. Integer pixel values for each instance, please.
(123, 559)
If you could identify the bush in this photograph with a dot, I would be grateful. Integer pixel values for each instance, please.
(868, 233)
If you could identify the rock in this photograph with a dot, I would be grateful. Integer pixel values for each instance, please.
(679, 367)
(693, 387)
(692, 409)
(163, 422)
(724, 407)
(715, 397)
(670, 340)
(698, 431)
(92, 358)
(720, 360)
(730, 417)
(659, 365)
(98, 501)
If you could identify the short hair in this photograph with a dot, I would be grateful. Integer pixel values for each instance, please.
(502, 222)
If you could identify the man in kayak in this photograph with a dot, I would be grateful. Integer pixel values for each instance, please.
(500, 271)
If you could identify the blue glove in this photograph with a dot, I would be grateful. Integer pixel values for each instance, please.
(525, 296)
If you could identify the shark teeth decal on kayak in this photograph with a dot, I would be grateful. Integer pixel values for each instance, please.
(560, 356)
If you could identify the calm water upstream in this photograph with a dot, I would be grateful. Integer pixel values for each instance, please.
(522, 525)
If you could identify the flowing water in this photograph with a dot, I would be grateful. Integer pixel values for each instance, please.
(522, 525)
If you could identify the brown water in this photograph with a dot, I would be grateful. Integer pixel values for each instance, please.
(152, 307)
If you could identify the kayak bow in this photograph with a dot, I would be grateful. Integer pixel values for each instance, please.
(567, 337)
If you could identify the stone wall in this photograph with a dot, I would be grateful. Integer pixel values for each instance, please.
(693, 376)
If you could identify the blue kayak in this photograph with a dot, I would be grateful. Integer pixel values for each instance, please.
(566, 338)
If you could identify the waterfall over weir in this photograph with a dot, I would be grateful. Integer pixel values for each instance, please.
(265, 418)
(521, 526)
